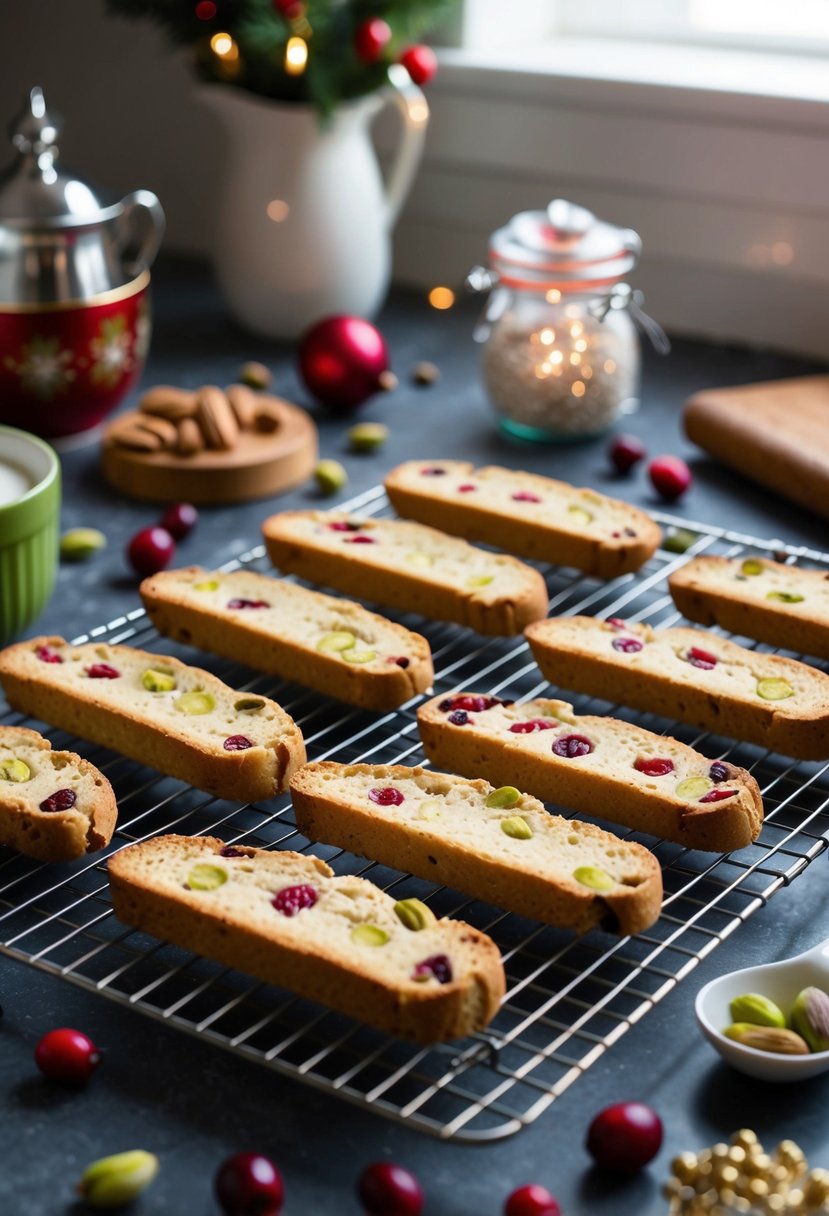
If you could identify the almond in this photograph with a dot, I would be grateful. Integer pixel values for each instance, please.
(162, 427)
(136, 439)
(216, 419)
(189, 440)
(244, 403)
(164, 401)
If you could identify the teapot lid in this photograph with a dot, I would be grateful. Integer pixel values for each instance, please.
(34, 190)
(566, 242)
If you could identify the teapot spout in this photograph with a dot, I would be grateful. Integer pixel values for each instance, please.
(140, 231)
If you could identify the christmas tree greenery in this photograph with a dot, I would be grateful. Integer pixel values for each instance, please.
(319, 51)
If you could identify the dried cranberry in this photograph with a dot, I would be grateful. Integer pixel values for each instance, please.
(625, 451)
(150, 550)
(570, 746)
(342, 525)
(617, 623)
(432, 471)
(627, 645)
(386, 1189)
(467, 489)
(231, 851)
(469, 701)
(401, 662)
(102, 671)
(654, 768)
(701, 658)
(237, 743)
(249, 1184)
(458, 717)
(360, 540)
(438, 966)
(625, 1136)
(47, 655)
(248, 604)
(61, 800)
(532, 725)
(180, 519)
(669, 476)
(525, 496)
(291, 900)
(718, 795)
(387, 796)
(67, 1056)
(718, 772)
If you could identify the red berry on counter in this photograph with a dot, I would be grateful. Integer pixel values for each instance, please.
(532, 1200)
(386, 1189)
(67, 1056)
(371, 39)
(180, 519)
(625, 451)
(670, 476)
(249, 1184)
(421, 63)
(625, 1136)
(150, 550)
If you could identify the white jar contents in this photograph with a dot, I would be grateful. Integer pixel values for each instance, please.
(15, 481)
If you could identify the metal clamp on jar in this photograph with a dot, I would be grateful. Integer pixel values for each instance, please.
(561, 360)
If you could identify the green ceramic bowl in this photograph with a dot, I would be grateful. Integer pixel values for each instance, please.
(29, 523)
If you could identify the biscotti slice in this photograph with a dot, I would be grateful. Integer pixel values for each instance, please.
(602, 766)
(498, 845)
(154, 709)
(526, 514)
(408, 566)
(288, 920)
(332, 645)
(783, 605)
(53, 805)
(691, 675)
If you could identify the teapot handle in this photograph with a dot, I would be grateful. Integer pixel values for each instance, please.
(414, 110)
(141, 227)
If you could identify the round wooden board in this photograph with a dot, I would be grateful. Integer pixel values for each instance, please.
(259, 466)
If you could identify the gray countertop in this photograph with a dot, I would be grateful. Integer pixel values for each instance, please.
(192, 1104)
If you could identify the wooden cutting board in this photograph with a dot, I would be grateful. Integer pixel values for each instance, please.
(776, 433)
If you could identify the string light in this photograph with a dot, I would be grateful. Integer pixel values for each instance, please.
(296, 56)
(223, 45)
(441, 297)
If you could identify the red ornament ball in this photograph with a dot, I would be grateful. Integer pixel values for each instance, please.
(625, 1137)
(532, 1200)
(67, 1056)
(206, 10)
(371, 38)
(389, 1190)
(670, 476)
(249, 1184)
(292, 10)
(421, 63)
(342, 361)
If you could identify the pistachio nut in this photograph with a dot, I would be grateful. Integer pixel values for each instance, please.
(810, 1018)
(114, 1181)
(367, 436)
(208, 584)
(369, 935)
(772, 689)
(767, 1038)
(352, 655)
(206, 877)
(785, 597)
(414, 914)
(158, 681)
(195, 703)
(504, 796)
(480, 580)
(679, 540)
(578, 515)
(419, 559)
(694, 787)
(78, 544)
(429, 810)
(517, 828)
(594, 878)
(751, 567)
(757, 1010)
(339, 640)
(14, 770)
(255, 375)
(330, 476)
(248, 705)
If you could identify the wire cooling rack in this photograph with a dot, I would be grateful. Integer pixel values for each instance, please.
(568, 999)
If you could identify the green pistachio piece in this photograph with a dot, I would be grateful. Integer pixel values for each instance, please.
(679, 540)
(785, 597)
(594, 878)
(429, 810)
(206, 877)
(115, 1181)
(504, 796)
(78, 544)
(774, 690)
(248, 705)
(480, 580)
(775, 1039)
(209, 584)
(331, 476)
(367, 436)
(693, 787)
(810, 1018)
(517, 828)
(255, 375)
(420, 560)
(414, 914)
(578, 515)
(756, 1009)
(339, 640)
(195, 703)
(369, 935)
(158, 681)
(14, 770)
(358, 656)
(751, 567)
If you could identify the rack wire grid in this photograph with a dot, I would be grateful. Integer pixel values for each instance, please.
(569, 999)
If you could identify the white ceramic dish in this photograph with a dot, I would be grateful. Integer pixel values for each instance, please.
(780, 982)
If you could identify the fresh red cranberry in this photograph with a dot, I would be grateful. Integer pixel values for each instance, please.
(570, 746)
(371, 38)
(531, 725)
(438, 966)
(625, 1136)
(470, 702)
(466, 489)
(458, 717)
(237, 743)
(103, 671)
(61, 800)
(718, 795)
(670, 476)
(627, 645)
(291, 900)
(47, 655)
(402, 661)
(617, 623)
(421, 63)
(718, 772)
(531, 1200)
(360, 540)
(432, 471)
(342, 525)
(654, 768)
(67, 1056)
(387, 796)
(386, 1189)
(150, 550)
(248, 604)
(231, 851)
(625, 451)
(180, 519)
(525, 496)
(701, 658)
(249, 1184)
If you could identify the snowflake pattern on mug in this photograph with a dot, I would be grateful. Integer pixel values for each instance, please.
(111, 352)
(43, 368)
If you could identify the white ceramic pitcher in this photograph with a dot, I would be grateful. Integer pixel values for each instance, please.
(302, 215)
